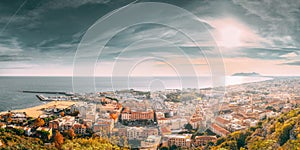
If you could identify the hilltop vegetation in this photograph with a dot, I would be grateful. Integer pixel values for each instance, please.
(10, 140)
(281, 133)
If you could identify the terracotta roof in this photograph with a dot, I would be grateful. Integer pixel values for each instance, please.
(196, 119)
(222, 120)
(165, 130)
(79, 126)
(206, 137)
(220, 129)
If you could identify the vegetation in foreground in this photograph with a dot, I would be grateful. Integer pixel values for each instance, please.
(9, 140)
(282, 133)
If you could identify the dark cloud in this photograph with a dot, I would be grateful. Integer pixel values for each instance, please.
(4, 58)
(277, 20)
(49, 30)
(295, 63)
(263, 53)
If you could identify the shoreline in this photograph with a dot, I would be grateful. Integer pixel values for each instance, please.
(36, 111)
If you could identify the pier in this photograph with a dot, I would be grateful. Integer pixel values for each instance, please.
(48, 92)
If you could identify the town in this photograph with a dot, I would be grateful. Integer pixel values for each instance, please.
(173, 118)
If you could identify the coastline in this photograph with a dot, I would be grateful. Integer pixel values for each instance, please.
(36, 111)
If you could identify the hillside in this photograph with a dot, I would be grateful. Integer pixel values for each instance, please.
(282, 132)
(251, 74)
(13, 140)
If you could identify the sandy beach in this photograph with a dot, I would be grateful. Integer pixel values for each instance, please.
(37, 110)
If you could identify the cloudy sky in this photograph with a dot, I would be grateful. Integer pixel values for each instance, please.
(41, 37)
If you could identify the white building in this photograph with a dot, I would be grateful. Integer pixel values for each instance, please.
(86, 110)
(151, 143)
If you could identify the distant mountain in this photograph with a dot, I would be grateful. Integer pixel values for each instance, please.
(247, 74)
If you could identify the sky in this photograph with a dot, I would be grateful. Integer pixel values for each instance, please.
(43, 37)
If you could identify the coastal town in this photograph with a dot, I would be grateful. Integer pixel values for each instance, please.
(174, 118)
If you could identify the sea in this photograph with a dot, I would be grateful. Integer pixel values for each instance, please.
(12, 98)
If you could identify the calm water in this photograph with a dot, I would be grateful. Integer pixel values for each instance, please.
(11, 98)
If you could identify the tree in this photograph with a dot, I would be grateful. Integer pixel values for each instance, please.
(284, 135)
(62, 114)
(188, 126)
(39, 122)
(44, 135)
(75, 113)
(164, 148)
(58, 139)
(71, 133)
(113, 116)
(9, 119)
(173, 147)
(19, 131)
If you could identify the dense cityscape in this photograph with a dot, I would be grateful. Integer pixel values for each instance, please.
(149, 75)
(172, 118)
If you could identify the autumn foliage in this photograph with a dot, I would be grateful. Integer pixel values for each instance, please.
(62, 114)
(113, 116)
(71, 133)
(39, 122)
(58, 139)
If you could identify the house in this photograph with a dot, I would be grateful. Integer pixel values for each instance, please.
(27, 131)
(180, 140)
(86, 110)
(79, 128)
(151, 143)
(44, 129)
(197, 122)
(137, 133)
(218, 130)
(203, 140)
(2, 125)
(222, 122)
(103, 125)
(61, 124)
(165, 130)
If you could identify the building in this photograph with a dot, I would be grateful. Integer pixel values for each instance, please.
(2, 125)
(137, 133)
(142, 115)
(197, 122)
(218, 130)
(62, 124)
(126, 115)
(44, 129)
(165, 130)
(180, 140)
(27, 131)
(137, 114)
(79, 128)
(222, 122)
(86, 110)
(203, 140)
(103, 125)
(160, 115)
(178, 123)
(164, 121)
(151, 143)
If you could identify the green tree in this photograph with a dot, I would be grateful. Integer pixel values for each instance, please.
(173, 147)
(285, 133)
(189, 127)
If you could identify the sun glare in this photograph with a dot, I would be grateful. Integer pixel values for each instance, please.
(230, 36)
